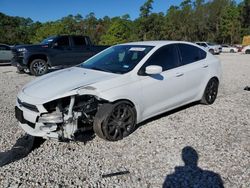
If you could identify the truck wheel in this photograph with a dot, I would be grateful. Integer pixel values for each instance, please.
(38, 67)
(247, 51)
(211, 51)
(210, 92)
(113, 122)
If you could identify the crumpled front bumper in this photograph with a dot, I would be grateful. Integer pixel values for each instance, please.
(29, 122)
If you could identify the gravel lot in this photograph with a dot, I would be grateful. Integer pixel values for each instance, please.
(219, 133)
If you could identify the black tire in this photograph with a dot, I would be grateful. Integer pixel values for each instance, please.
(38, 67)
(247, 51)
(113, 122)
(211, 51)
(210, 92)
(231, 51)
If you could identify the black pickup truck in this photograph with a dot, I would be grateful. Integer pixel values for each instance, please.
(54, 51)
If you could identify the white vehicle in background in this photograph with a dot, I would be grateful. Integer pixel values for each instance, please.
(211, 47)
(117, 89)
(229, 49)
(246, 50)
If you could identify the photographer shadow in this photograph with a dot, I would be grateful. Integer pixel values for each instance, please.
(190, 175)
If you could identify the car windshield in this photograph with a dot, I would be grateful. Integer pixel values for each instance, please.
(117, 59)
(48, 40)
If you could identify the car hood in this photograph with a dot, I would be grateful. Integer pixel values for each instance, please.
(60, 82)
(31, 46)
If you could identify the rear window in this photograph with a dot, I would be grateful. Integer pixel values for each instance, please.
(190, 53)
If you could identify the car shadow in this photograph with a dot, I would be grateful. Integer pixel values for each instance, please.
(23, 146)
(167, 114)
(85, 136)
(190, 175)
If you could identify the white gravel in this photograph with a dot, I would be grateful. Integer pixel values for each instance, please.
(219, 133)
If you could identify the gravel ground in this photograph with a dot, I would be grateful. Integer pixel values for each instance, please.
(217, 135)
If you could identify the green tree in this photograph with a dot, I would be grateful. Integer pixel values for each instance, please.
(230, 25)
(144, 21)
(118, 32)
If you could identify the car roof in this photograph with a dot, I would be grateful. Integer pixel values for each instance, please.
(157, 43)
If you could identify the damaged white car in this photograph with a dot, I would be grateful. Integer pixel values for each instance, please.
(117, 89)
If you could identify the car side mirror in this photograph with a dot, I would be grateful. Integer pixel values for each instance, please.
(55, 45)
(153, 69)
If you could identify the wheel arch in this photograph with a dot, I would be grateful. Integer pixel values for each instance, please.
(132, 104)
(37, 56)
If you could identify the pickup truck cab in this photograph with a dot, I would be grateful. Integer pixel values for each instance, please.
(54, 51)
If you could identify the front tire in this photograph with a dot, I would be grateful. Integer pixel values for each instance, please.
(212, 51)
(210, 92)
(38, 67)
(247, 51)
(113, 122)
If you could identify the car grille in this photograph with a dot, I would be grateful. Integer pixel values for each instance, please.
(28, 106)
(16, 54)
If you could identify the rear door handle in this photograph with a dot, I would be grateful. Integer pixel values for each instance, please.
(179, 74)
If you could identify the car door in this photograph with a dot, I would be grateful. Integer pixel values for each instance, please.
(194, 67)
(61, 53)
(5, 53)
(225, 48)
(80, 49)
(163, 91)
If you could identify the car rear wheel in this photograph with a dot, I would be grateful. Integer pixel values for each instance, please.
(38, 67)
(231, 51)
(113, 122)
(210, 92)
(247, 51)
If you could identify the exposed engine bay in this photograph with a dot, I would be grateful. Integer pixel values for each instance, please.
(70, 115)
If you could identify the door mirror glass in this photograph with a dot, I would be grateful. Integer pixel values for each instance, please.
(153, 69)
(55, 45)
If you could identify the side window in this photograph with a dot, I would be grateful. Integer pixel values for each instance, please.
(79, 41)
(190, 53)
(63, 42)
(166, 57)
(201, 44)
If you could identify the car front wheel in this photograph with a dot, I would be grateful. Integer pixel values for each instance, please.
(38, 67)
(113, 122)
(210, 92)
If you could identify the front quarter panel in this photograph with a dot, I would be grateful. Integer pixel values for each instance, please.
(126, 87)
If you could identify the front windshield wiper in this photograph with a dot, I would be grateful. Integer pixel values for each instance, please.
(99, 69)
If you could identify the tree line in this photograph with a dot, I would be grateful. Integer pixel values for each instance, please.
(221, 21)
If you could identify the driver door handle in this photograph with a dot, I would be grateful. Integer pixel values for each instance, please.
(179, 74)
(205, 66)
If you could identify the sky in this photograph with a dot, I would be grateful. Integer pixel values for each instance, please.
(51, 10)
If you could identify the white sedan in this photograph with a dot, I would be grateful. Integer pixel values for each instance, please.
(117, 89)
(229, 49)
(246, 50)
